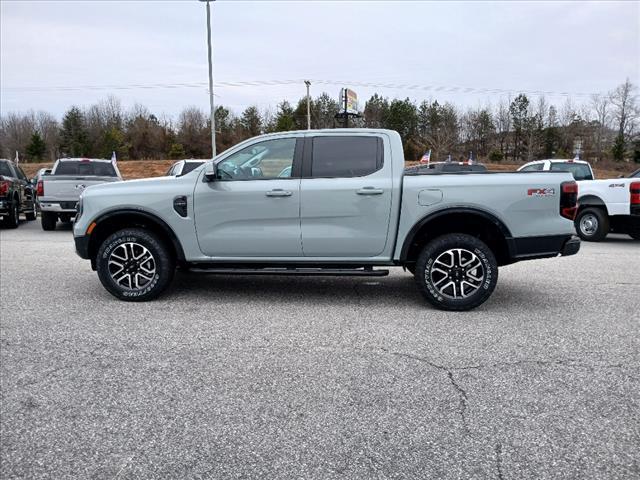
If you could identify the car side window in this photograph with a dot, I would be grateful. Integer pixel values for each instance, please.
(344, 157)
(265, 160)
(536, 167)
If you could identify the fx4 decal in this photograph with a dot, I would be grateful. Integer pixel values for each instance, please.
(541, 192)
(616, 185)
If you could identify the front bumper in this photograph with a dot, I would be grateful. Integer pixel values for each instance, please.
(82, 246)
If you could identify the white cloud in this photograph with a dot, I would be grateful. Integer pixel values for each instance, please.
(552, 46)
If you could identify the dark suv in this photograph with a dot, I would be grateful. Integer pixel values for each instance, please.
(17, 194)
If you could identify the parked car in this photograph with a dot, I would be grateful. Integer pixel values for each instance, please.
(610, 205)
(39, 174)
(17, 195)
(59, 191)
(346, 208)
(182, 167)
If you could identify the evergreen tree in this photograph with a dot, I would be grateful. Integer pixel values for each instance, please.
(285, 120)
(251, 122)
(519, 110)
(37, 147)
(73, 135)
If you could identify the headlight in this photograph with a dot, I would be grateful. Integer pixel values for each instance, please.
(79, 208)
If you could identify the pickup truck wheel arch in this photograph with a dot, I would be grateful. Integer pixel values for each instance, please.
(591, 201)
(467, 220)
(111, 222)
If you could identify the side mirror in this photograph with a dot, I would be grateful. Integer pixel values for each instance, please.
(210, 172)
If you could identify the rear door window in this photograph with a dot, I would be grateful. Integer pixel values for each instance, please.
(5, 169)
(345, 156)
(99, 169)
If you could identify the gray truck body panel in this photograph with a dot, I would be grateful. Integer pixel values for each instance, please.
(361, 220)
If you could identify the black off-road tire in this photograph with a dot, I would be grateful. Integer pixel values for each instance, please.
(598, 218)
(13, 219)
(474, 274)
(162, 264)
(33, 213)
(635, 234)
(48, 220)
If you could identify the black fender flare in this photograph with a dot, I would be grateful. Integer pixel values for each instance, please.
(151, 218)
(453, 210)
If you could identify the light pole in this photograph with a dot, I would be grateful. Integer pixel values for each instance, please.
(212, 113)
(308, 83)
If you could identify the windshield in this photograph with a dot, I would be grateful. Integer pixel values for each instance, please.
(84, 168)
(5, 170)
(580, 171)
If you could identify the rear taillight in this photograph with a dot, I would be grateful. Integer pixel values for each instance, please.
(569, 200)
(4, 187)
(40, 189)
(634, 190)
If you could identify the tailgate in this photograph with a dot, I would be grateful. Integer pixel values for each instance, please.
(70, 187)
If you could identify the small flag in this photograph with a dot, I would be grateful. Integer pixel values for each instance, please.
(113, 158)
(471, 160)
(426, 158)
(17, 157)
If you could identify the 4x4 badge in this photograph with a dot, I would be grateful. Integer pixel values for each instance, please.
(541, 192)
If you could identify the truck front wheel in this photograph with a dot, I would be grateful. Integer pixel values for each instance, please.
(456, 272)
(134, 265)
(592, 224)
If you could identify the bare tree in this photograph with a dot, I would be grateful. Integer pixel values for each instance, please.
(503, 125)
(625, 113)
(600, 105)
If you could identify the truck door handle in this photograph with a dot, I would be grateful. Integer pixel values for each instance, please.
(278, 192)
(370, 191)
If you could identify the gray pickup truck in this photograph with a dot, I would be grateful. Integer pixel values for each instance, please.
(58, 192)
(325, 202)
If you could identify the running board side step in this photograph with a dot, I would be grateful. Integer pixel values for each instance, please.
(301, 271)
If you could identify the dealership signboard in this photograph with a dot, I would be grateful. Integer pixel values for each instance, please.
(348, 102)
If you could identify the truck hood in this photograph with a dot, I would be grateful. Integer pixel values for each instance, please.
(131, 185)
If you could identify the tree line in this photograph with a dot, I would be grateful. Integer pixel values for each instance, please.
(605, 127)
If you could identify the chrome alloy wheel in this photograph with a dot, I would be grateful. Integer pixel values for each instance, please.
(589, 224)
(132, 266)
(457, 273)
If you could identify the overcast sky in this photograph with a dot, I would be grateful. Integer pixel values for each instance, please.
(430, 47)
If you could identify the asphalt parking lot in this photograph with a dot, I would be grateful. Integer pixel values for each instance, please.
(274, 377)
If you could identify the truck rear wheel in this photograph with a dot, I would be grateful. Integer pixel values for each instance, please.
(134, 265)
(48, 220)
(13, 219)
(456, 272)
(592, 224)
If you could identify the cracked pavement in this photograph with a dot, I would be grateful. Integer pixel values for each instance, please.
(276, 377)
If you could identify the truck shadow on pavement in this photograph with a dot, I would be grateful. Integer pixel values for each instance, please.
(396, 290)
